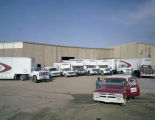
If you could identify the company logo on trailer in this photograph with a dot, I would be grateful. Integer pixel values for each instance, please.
(4, 67)
(128, 64)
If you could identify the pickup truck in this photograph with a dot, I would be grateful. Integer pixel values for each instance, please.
(117, 89)
(39, 74)
(147, 71)
(68, 72)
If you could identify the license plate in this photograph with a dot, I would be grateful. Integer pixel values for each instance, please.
(133, 89)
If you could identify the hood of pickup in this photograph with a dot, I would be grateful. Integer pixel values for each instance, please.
(112, 89)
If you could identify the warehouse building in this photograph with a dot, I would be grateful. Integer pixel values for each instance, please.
(46, 54)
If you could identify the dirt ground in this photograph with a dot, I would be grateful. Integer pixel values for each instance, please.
(70, 99)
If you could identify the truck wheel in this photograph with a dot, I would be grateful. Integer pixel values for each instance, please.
(124, 104)
(23, 77)
(88, 73)
(65, 75)
(102, 73)
(35, 79)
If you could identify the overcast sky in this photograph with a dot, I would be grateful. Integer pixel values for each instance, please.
(84, 23)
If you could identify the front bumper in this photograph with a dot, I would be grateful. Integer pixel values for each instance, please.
(81, 72)
(94, 72)
(108, 98)
(71, 74)
(43, 78)
(55, 74)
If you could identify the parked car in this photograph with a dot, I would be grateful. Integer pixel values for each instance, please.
(116, 89)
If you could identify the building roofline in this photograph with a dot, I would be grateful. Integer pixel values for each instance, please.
(132, 43)
(57, 45)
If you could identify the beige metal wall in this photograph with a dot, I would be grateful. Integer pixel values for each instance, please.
(146, 50)
(125, 51)
(48, 54)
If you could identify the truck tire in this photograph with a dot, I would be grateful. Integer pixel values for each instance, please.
(15, 77)
(88, 73)
(102, 73)
(65, 75)
(35, 79)
(137, 73)
(23, 77)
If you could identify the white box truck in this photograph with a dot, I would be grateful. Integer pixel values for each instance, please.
(103, 67)
(65, 68)
(91, 67)
(15, 67)
(77, 65)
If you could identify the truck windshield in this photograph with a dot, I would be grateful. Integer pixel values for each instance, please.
(77, 67)
(103, 66)
(66, 69)
(114, 81)
(91, 66)
(53, 69)
(37, 69)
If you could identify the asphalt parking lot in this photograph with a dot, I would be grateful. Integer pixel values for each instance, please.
(70, 99)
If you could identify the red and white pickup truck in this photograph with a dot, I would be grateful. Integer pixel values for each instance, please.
(116, 89)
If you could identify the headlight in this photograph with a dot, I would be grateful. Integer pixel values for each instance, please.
(96, 94)
(119, 96)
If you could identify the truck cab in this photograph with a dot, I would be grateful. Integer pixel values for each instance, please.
(123, 67)
(54, 72)
(103, 67)
(147, 71)
(77, 65)
(116, 89)
(38, 74)
(68, 72)
(91, 67)
(65, 68)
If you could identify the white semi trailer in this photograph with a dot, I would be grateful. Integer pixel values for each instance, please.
(128, 65)
(15, 67)
(20, 68)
